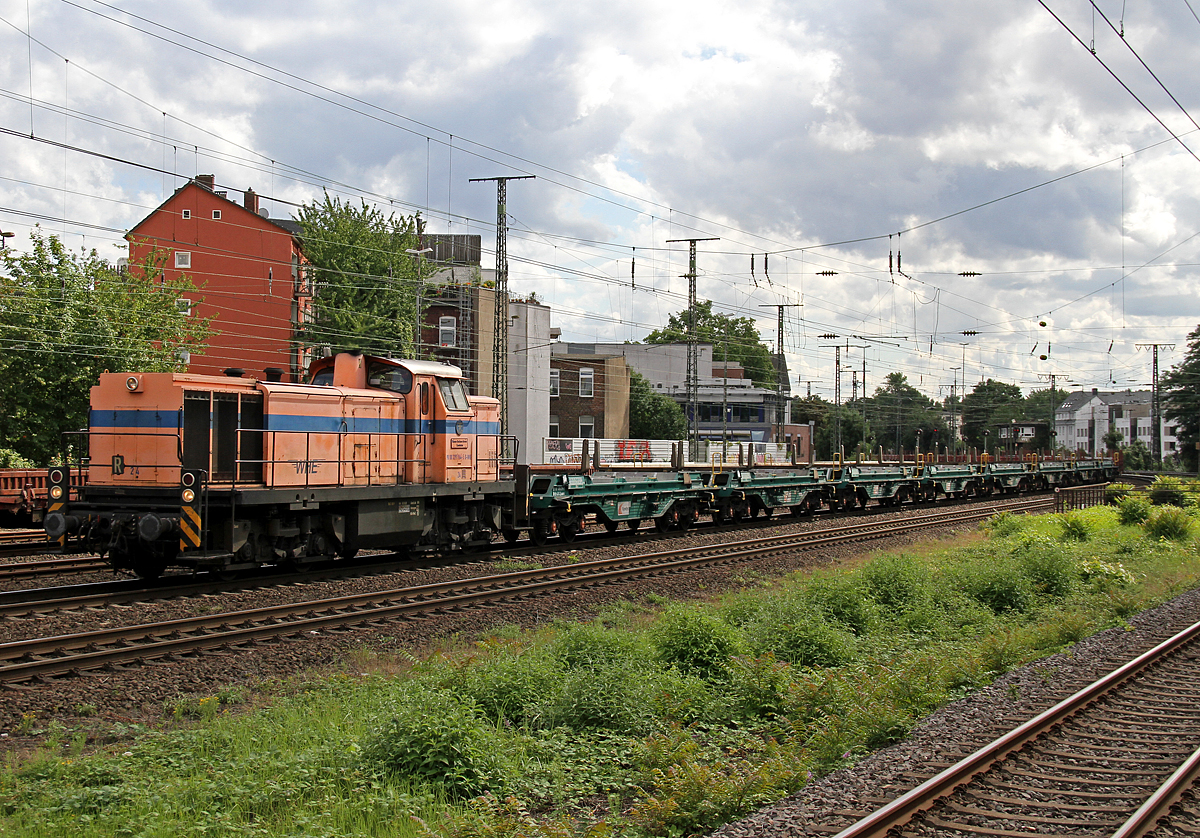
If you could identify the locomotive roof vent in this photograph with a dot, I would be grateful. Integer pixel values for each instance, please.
(273, 374)
(234, 372)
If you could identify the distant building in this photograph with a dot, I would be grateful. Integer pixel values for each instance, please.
(730, 407)
(1084, 418)
(249, 271)
(589, 396)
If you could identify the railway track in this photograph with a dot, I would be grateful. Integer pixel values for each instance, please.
(43, 657)
(1111, 760)
(51, 567)
(23, 543)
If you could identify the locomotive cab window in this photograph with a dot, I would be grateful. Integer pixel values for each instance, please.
(453, 394)
(387, 377)
(324, 378)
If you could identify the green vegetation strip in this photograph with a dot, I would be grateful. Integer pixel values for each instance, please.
(654, 719)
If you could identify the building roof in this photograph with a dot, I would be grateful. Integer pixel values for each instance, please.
(288, 224)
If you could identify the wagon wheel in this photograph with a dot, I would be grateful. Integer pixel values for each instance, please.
(634, 524)
(510, 535)
(611, 525)
(539, 533)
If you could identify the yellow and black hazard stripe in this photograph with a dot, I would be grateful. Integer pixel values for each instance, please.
(58, 493)
(191, 529)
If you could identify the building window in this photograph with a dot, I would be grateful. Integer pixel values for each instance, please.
(587, 383)
(553, 383)
(185, 214)
(587, 427)
(184, 306)
(216, 215)
(183, 259)
(553, 432)
(447, 332)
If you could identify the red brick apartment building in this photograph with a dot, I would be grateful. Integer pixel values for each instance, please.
(249, 272)
(589, 396)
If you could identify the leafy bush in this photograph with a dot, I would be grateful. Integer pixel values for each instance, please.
(1075, 527)
(1105, 575)
(844, 600)
(801, 637)
(759, 686)
(696, 641)
(582, 645)
(1113, 492)
(1003, 524)
(1168, 491)
(1000, 585)
(435, 737)
(895, 582)
(511, 686)
(11, 459)
(1052, 571)
(1169, 522)
(1133, 510)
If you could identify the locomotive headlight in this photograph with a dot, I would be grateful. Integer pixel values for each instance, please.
(56, 492)
(132, 383)
(188, 496)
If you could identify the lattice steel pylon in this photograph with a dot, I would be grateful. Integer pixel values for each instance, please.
(693, 360)
(500, 327)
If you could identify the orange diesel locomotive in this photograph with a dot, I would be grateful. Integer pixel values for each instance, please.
(229, 472)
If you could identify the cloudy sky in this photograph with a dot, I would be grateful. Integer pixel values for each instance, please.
(808, 137)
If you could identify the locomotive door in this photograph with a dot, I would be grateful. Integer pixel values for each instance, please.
(364, 442)
(418, 437)
(425, 398)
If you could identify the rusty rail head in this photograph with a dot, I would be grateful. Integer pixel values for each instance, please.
(901, 810)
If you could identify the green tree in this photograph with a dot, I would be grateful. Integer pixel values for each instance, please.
(989, 404)
(852, 433)
(1113, 439)
(897, 410)
(736, 335)
(67, 317)
(653, 415)
(366, 284)
(1179, 391)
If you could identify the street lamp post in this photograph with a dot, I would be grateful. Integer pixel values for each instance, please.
(420, 255)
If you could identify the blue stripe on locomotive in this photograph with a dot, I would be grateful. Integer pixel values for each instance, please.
(151, 419)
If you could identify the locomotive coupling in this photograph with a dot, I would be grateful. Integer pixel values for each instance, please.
(58, 524)
(151, 527)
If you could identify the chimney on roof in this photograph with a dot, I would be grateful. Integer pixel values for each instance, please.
(250, 201)
(207, 181)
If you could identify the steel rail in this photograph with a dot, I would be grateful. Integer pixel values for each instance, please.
(27, 659)
(903, 809)
(51, 567)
